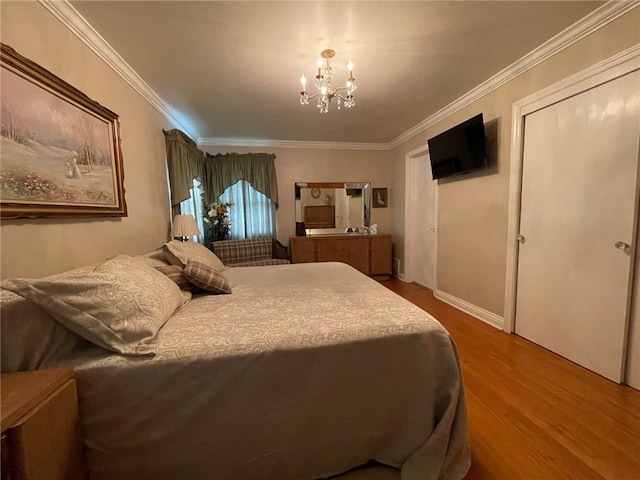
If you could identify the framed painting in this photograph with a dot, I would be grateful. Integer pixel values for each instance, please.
(380, 198)
(60, 151)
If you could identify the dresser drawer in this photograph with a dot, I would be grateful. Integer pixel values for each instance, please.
(303, 250)
(333, 250)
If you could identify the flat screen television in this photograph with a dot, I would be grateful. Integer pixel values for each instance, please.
(461, 149)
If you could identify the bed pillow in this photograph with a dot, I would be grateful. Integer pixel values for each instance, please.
(119, 305)
(206, 278)
(155, 258)
(175, 273)
(30, 338)
(179, 253)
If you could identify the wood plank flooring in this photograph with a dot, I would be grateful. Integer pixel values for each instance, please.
(533, 414)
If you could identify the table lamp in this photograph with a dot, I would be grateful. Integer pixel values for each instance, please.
(184, 226)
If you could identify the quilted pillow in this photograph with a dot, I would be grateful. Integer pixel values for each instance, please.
(206, 278)
(179, 253)
(119, 305)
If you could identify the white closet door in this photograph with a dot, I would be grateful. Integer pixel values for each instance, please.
(578, 202)
(424, 226)
(632, 376)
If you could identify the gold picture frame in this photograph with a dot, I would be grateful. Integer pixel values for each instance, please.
(60, 151)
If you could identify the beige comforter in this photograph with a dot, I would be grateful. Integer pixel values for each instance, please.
(303, 372)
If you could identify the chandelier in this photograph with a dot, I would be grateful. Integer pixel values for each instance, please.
(326, 92)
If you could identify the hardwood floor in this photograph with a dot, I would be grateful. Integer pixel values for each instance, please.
(533, 414)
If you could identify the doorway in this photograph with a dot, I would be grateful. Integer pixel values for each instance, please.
(421, 196)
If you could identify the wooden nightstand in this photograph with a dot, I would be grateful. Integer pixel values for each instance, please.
(40, 429)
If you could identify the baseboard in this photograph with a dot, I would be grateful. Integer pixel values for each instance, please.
(401, 276)
(481, 314)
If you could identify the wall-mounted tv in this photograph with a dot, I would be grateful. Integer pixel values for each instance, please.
(461, 149)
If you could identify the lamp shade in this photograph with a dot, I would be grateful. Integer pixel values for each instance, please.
(184, 226)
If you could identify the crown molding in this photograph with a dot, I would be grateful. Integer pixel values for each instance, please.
(583, 27)
(252, 142)
(75, 22)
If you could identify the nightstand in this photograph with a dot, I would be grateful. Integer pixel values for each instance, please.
(40, 428)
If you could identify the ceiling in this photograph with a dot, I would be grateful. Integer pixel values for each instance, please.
(232, 69)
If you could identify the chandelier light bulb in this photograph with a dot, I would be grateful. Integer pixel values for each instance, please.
(322, 81)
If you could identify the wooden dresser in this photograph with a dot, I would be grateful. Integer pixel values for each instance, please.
(40, 429)
(371, 254)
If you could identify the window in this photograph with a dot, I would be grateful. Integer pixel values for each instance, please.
(253, 214)
(194, 205)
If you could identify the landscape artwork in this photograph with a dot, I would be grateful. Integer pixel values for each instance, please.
(59, 150)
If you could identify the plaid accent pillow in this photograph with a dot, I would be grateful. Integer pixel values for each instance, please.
(239, 251)
(206, 277)
(175, 273)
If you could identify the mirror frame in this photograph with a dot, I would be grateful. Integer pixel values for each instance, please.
(366, 197)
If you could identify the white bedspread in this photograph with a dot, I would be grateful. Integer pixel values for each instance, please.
(303, 372)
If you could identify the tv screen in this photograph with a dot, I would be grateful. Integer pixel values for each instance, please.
(461, 149)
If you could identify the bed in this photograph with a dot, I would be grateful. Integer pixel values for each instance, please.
(305, 371)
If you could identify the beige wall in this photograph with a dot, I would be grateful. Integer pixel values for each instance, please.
(472, 210)
(32, 248)
(321, 165)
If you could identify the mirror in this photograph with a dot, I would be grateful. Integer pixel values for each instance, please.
(332, 208)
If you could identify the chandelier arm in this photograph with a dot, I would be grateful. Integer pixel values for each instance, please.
(310, 97)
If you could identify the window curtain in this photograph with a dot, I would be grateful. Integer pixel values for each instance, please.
(197, 180)
(184, 162)
(253, 214)
(224, 170)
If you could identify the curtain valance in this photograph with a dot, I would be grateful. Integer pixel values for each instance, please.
(216, 173)
(223, 170)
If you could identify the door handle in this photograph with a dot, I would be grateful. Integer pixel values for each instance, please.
(622, 245)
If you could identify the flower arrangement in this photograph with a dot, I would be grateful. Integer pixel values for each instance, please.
(217, 221)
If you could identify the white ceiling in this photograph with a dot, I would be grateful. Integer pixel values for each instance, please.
(232, 69)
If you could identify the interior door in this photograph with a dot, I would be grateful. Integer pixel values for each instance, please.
(424, 224)
(578, 205)
(632, 375)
